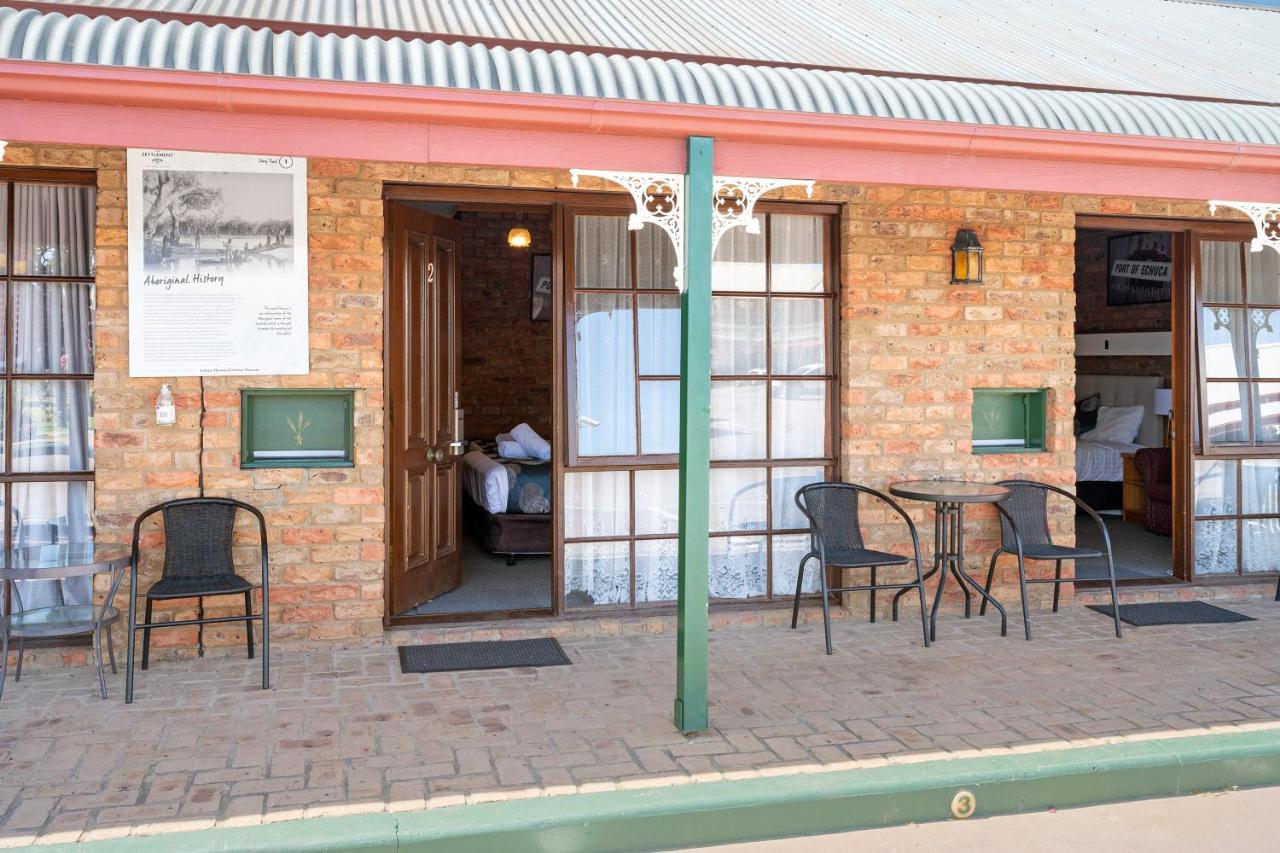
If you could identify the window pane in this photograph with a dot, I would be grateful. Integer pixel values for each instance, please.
(1266, 418)
(604, 364)
(1226, 343)
(1260, 486)
(657, 501)
(660, 416)
(1261, 545)
(659, 334)
(657, 570)
(787, 551)
(53, 513)
(737, 419)
(738, 499)
(1220, 271)
(596, 573)
(1264, 277)
(737, 335)
(655, 259)
(786, 482)
(1266, 331)
(1215, 487)
(53, 328)
(52, 425)
(797, 336)
(737, 567)
(597, 503)
(601, 252)
(1216, 547)
(796, 253)
(1226, 412)
(53, 229)
(799, 419)
(738, 263)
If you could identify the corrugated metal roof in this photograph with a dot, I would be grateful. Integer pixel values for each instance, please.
(32, 35)
(1156, 46)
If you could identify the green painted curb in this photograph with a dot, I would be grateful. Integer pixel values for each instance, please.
(772, 807)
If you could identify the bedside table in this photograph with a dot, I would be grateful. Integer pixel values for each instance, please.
(1133, 501)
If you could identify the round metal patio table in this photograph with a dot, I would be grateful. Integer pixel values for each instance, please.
(56, 563)
(949, 498)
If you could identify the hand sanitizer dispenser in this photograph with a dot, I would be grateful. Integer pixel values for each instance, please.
(166, 412)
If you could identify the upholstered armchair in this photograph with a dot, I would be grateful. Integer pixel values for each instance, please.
(1155, 465)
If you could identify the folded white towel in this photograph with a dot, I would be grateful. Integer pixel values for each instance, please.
(509, 448)
(534, 445)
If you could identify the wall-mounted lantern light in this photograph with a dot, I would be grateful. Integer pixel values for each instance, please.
(966, 258)
(519, 238)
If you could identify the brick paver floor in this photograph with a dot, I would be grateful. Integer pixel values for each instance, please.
(343, 730)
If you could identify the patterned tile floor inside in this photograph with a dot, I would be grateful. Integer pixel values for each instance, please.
(342, 730)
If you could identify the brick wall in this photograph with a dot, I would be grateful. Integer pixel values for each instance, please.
(913, 348)
(505, 376)
(1093, 314)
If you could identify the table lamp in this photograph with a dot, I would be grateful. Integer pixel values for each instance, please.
(1162, 405)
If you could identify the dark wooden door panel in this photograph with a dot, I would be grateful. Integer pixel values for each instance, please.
(422, 384)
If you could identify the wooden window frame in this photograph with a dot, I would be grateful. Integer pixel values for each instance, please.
(829, 462)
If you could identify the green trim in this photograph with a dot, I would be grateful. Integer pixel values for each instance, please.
(267, 423)
(769, 807)
(1017, 414)
(695, 441)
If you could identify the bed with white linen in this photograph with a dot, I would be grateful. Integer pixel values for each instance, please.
(1099, 455)
(506, 501)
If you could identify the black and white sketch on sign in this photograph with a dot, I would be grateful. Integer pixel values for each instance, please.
(217, 264)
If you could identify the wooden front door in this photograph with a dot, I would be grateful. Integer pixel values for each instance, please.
(422, 373)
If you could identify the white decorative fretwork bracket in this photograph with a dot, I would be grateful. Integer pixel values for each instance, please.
(1265, 217)
(735, 203)
(659, 199)
(3, 145)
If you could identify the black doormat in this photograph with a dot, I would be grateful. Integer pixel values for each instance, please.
(494, 654)
(1172, 613)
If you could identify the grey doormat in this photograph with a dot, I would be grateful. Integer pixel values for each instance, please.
(1172, 613)
(495, 654)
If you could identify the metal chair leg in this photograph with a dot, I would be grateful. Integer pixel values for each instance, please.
(871, 594)
(22, 647)
(1115, 603)
(1057, 587)
(111, 650)
(826, 606)
(97, 660)
(200, 626)
(1022, 582)
(146, 637)
(924, 620)
(248, 623)
(4, 656)
(795, 607)
(991, 574)
(266, 641)
(129, 642)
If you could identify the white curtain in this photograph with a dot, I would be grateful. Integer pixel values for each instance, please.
(52, 324)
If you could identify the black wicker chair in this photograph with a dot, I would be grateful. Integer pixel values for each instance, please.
(198, 564)
(1024, 533)
(836, 540)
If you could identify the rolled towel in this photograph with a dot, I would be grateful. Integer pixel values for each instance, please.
(509, 448)
(534, 445)
(533, 501)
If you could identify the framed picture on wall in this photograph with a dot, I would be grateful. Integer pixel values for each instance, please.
(540, 288)
(1140, 268)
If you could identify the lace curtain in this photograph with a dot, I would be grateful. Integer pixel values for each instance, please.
(52, 327)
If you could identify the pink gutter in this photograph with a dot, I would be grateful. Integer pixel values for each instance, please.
(83, 104)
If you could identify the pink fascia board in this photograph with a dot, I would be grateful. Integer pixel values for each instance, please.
(95, 105)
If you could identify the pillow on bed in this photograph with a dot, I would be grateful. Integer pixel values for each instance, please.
(1087, 413)
(1117, 423)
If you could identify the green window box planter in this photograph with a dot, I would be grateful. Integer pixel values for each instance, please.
(297, 428)
(1009, 420)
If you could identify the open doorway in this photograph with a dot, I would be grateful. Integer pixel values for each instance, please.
(1126, 284)
(474, 341)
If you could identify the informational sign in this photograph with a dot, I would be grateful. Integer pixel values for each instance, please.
(1140, 268)
(217, 264)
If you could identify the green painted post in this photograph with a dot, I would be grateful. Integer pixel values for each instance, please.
(695, 440)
